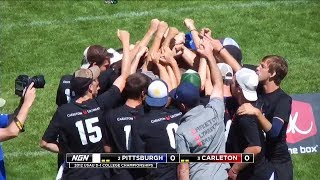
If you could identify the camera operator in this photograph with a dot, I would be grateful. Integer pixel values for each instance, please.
(17, 125)
(9, 130)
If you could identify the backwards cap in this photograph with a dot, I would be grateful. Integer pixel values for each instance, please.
(192, 77)
(186, 93)
(157, 93)
(248, 81)
(116, 55)
(233, 48)
(226, 71)
(83, 78)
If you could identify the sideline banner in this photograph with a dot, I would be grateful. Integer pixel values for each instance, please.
(304, 123)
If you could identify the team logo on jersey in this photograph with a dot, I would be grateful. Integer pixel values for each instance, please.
(84, 112)
(167, 118)
(125, 118)
(301, 122)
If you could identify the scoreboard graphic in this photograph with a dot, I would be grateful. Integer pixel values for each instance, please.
(148, 160)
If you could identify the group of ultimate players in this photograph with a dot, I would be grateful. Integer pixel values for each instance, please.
(186, 93)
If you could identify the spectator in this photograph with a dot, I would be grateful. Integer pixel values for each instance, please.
(9, 130)
(245, 135)
(17, 126)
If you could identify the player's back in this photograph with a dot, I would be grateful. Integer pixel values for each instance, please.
(119, 122)
(82, 130)
(156, 129)
(64, 92)
(155, 133)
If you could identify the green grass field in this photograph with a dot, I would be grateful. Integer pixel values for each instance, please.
(48, 37)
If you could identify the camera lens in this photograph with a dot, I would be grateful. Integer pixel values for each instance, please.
(39, 81)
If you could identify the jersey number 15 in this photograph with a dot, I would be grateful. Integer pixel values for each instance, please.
(94, 132)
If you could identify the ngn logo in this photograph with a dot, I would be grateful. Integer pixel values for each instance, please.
(80, 158)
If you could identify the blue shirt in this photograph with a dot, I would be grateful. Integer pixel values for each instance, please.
(4, 122)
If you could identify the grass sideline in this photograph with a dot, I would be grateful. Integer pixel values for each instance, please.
(46, 37)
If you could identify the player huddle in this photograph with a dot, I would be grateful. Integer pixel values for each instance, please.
(186, 93)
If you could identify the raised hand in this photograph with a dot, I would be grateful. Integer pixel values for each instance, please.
(155, 56)
(166, 55)
(205, 48)
(178, 49)
(154, 25)
(162, 28)
(206, 32)
(29, 95)
(216, 44)
(172, 32)
(180, 38)
(189, 23)
(143, 50)
(123, 35)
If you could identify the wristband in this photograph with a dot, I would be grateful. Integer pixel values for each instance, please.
(220, 50)
(193, 30)
(19, 124)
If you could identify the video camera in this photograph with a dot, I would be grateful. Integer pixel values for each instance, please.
(23, 81)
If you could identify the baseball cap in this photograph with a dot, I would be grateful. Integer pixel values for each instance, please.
(83, 78)
(186, 93)
(248, 81)
(157, 95)
(85, 63)
(192, 77)
(233, 48)
(226, 71)
(116, 55)
(2, 102)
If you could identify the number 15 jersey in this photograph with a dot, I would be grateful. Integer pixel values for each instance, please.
(81, 130)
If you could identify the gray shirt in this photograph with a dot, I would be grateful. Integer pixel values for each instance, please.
(202, 131)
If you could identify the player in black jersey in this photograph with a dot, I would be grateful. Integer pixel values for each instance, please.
(92, 55)
(155, 131)
(79, 124)
(245, 135)
(119, 120)
(275, 113)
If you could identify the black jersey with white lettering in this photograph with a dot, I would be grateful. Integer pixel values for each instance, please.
(119, 122)
(64, 92)
(277, 104)
(155, 133)
(81, 129)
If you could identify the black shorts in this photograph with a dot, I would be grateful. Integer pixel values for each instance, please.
(283, 171)
(60, 160)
